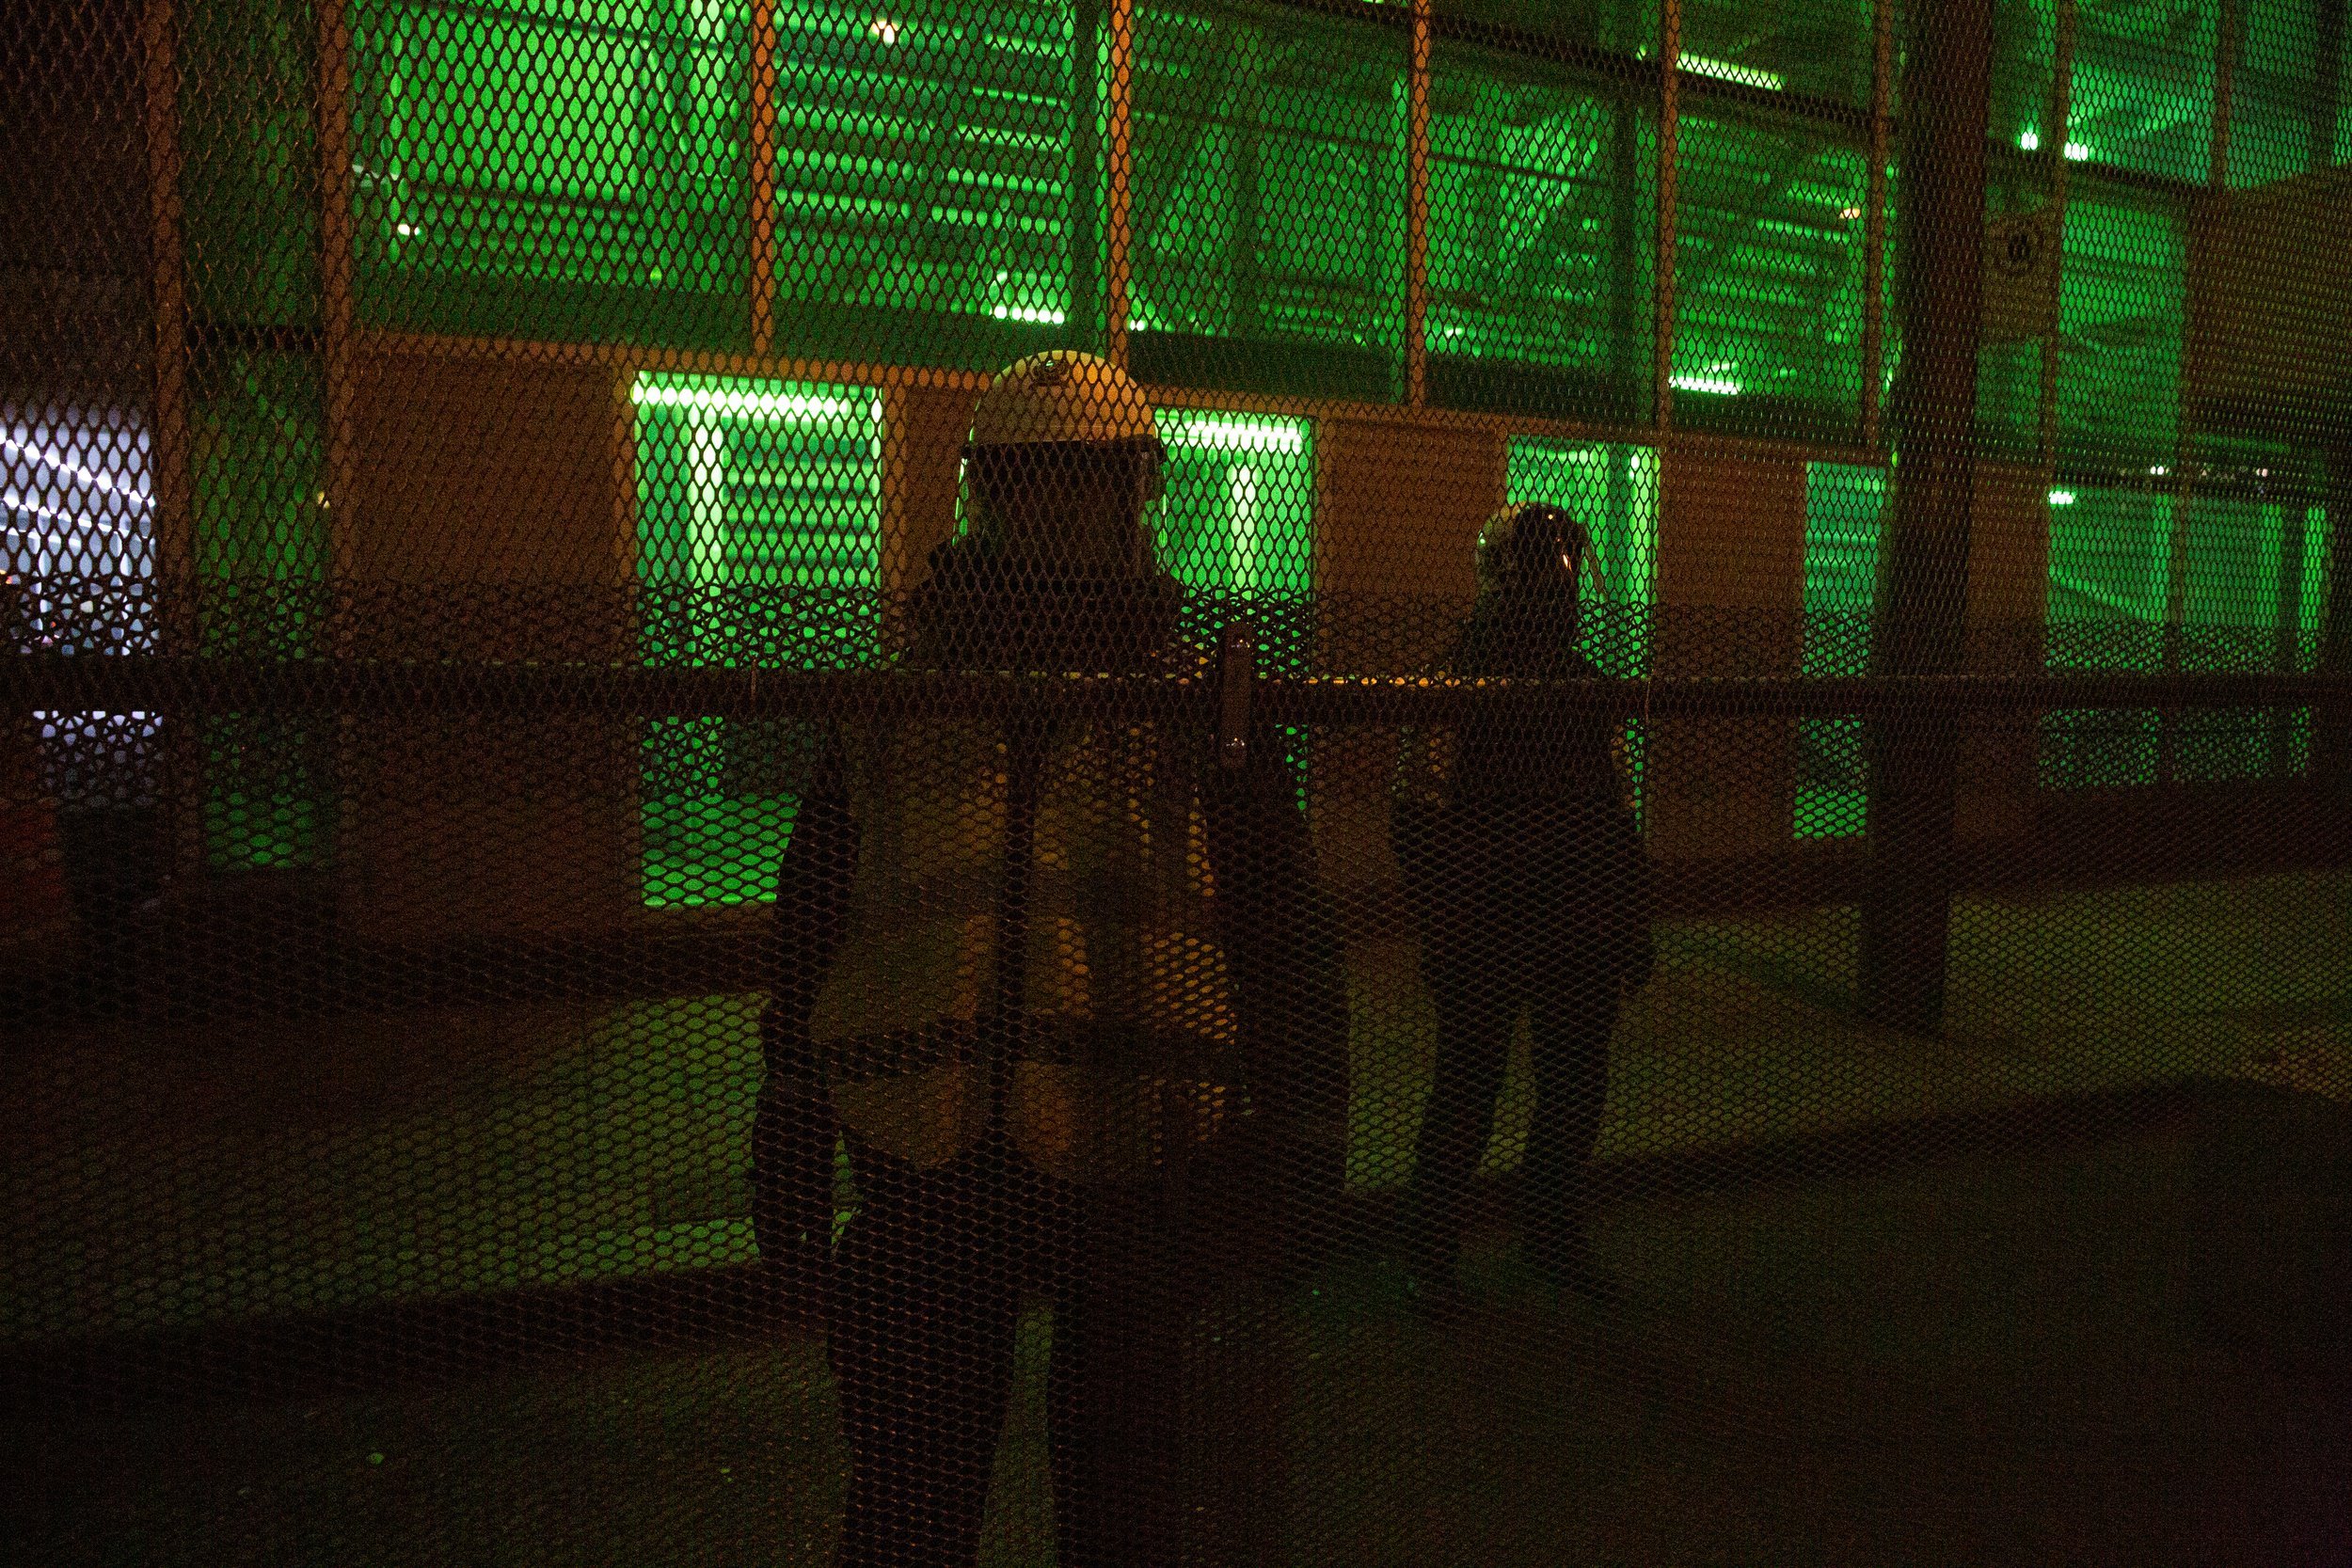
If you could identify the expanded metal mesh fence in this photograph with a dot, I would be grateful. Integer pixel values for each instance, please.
(1149, 781)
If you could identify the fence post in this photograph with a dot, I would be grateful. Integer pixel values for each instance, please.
(1914, 759)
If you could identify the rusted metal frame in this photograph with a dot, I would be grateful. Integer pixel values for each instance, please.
(355, 686)
(762, 183)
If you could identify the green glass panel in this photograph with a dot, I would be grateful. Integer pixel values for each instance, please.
(1844, 518)
(1767, 275)
(2123, 301)
(1822, 48)
(759, 541)
(571, 168)
(2109, 581)
(2279, 125)
(1238, 519)
(1541, 218)
(925, 163)
(2143, 87)
(1269, 199)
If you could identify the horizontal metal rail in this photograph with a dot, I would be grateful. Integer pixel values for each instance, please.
(167, 685)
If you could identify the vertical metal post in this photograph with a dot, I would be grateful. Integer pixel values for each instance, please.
(1906, 904)
(762, 256)
(1874, 217)
(1669, 156)
(1118, 177)
(1417, 212)
(176, 606)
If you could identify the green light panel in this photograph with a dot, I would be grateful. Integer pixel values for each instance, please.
(1238, 519)
(1613, 491)
(1845, 509)
(2109, 582)
(2143, 88)
(2123, 301)
(1541, 218)
(1822, 48)
(923, 165)
(1767, 277)
(2280, 124)
(760, 539)
(1268, 199)
(570, 168)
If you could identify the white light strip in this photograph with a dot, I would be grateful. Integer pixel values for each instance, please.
(88, 476)
(1720, 384)
(15, 502)
(1724, 71)
(1240, 435)
(795, 406)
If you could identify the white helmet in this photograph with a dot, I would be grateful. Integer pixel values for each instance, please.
(1063, 396)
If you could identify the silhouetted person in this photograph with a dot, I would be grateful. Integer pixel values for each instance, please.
(1531, 890)
(1050, 976)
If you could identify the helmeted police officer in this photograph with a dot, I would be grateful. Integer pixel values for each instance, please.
(1533, 893)
(1045, 974)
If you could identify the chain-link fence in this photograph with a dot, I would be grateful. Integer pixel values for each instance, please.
(1131, 782)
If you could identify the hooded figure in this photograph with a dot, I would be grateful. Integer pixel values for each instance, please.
(1533, 893)
(1028, 984)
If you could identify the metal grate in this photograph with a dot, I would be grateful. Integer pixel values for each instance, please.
(1219, 782)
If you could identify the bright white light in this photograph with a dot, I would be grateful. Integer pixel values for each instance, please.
(1240, 435)
(404, 230)
(2159, 470)
(2029, 140)
(1724, 71)
(1851, 214)
(2076, 151)
(1027, 313)
(65, 466)
(798, 407)
(1721, 384)
(884, 30)
(2062, 498)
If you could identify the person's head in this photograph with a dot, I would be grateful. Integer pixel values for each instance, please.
(1534, 550)
(1065, 458)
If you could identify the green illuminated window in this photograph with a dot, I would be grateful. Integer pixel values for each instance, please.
(1238, 519)
(1767, 275)
(760, 540)
(1844, 519)
(1541, 217)
(925, 167)
(567, 168)
(2110, 575)
(1269, 198)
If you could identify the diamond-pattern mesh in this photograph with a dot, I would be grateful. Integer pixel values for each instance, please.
(1151, 781)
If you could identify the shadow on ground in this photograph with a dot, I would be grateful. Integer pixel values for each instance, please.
(2130, 1348)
